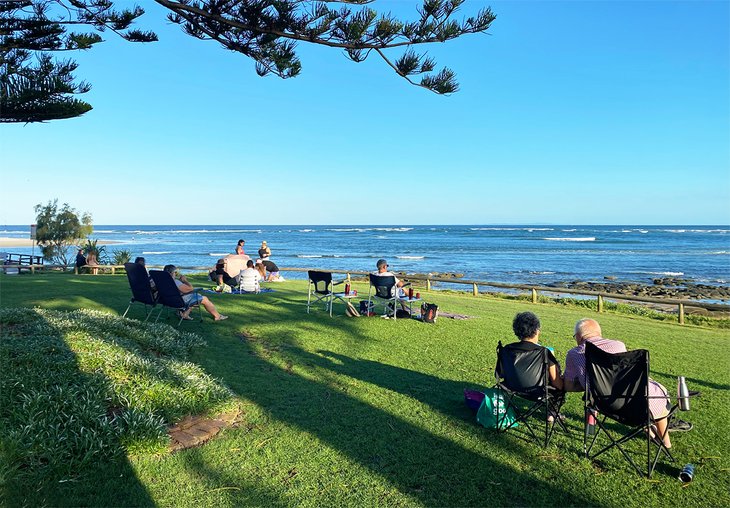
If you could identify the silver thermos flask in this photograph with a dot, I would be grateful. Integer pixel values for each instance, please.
(682, 394)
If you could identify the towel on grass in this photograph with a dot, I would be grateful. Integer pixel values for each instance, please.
(239, 292)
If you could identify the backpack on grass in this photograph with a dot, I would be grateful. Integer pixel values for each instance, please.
(429, 312)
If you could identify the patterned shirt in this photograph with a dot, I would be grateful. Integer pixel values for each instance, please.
(575, 370)
(575, 360)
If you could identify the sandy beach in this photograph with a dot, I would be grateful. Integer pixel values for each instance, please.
(25, 242)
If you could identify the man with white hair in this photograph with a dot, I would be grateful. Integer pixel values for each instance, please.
(574, 378)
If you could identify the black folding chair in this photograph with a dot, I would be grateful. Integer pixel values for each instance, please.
(617, 387)
(522, 373)
(168, 295)
(139, 283)
(386, 293)
(321, 286)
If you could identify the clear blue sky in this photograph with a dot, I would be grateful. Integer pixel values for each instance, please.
(569, 112)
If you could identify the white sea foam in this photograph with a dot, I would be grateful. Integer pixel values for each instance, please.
(218, 254)
(696, 230)
(155, 253)
(398, 230)
(411, 257)
(542, 273)
(668, 274)
(191, 231)
(530, 230)
(348, 230)
(306, 230)
(719, 253)
(570, 239)
(309, 256)
(569, 230)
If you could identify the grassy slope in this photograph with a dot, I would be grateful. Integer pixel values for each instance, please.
(368, 411)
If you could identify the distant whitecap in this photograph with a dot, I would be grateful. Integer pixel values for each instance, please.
(581, 239)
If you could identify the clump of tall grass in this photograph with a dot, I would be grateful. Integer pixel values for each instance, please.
(83, 386)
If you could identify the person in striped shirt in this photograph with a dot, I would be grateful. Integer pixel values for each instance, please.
(588, 330)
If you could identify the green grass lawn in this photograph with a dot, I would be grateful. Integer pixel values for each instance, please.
(339, 411)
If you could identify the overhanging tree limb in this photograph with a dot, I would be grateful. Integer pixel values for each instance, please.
(266, 31)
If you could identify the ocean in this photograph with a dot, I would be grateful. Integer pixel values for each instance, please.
(512, 254)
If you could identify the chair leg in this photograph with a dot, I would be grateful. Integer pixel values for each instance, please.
(125, 312)
(309, 296)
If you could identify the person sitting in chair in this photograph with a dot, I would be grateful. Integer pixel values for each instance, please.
(190, 297)
(382, 266)
(526, 327)
(588, 330)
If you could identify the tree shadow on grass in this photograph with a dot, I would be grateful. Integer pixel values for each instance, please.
(53, 448)
(694, 381)
(424, 466)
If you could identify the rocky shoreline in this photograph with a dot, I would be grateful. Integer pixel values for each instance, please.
(666, 287)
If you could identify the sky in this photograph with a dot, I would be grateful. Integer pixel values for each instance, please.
(577, 112)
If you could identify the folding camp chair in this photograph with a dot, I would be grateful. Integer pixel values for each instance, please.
(168, 295)
(139, 283)
(385, 292)
(617, 387)
(321, 286)
(522, 373)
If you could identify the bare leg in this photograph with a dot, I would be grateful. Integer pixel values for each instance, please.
(205, 302)
(661, 426)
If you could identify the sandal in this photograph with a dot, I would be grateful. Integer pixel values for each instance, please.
(678, 425)
(221, 317)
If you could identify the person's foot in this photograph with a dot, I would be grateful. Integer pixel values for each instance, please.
(221, 317)
(551, 417)
(183, 316)
(678, 425)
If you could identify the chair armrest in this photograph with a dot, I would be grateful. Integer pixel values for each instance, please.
(337, 282)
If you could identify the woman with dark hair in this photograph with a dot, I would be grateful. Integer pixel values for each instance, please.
(239, 247)
(526, 326)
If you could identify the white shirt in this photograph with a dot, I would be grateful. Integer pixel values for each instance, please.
(249, 280)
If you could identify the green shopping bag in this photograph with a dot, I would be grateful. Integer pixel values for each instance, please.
(492, 411)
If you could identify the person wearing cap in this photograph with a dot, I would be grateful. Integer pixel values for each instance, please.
(264, 251)
(220, 276)
(382, 266)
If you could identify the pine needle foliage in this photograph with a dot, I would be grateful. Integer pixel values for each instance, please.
(37, 87)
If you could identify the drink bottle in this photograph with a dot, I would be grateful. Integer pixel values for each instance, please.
(590, 422)
(347, 288)
(682, 394)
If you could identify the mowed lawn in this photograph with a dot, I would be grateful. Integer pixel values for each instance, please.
(370, 412)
